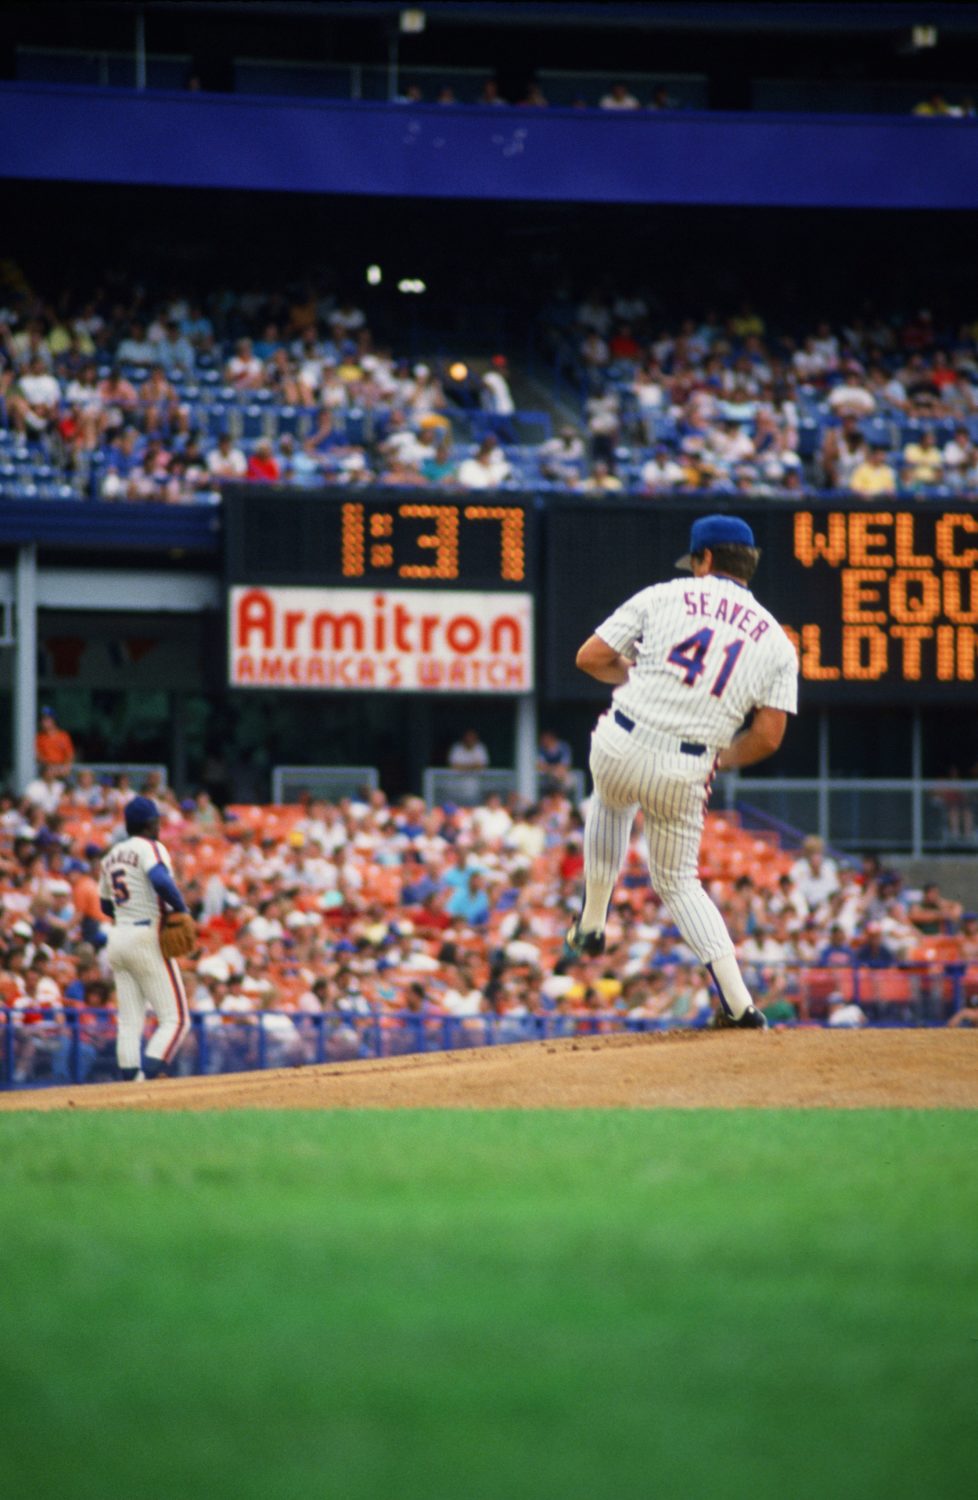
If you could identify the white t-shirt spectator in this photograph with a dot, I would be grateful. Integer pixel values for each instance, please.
(852, 398)
(40, 390)
(662, 473)
(243, 369)
(227, 463)
(475, 474)
(500, 396)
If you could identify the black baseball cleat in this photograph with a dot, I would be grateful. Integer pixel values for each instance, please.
(590, 944)
(751, 1020)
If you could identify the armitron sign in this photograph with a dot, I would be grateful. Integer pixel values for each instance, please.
(385, 640)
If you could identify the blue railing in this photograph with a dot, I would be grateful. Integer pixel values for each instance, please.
(65, 1046)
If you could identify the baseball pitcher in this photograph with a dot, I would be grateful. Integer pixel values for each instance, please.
(689, 661)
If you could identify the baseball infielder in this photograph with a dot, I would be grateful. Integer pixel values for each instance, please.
(135, 886)
(689, 660)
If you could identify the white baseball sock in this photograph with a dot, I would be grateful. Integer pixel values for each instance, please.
(735, 997)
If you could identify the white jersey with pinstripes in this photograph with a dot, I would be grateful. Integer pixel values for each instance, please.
(124, 879)
(705, 654)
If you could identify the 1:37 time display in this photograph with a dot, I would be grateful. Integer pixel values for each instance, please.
(447, 543)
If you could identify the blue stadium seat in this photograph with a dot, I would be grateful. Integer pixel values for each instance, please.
(253, 423)
(216, 418)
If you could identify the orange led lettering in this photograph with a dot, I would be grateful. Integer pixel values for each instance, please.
(945, 653)
(946, 541)
(864, 653)
(864, 539)
(351, 543)
(953, 607)
(512, 562)
(443, 541)
(905, 555)
(915, 596)
(811, 656)
(911, 636)
(967, 642)
(861, 595)
(810, 544)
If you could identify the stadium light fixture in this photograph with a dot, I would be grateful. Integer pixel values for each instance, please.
(413, 22)
(374, 276)
(411, 284)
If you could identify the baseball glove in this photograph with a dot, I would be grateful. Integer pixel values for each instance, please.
(178, 934)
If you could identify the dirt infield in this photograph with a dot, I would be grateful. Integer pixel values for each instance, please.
(837, 1070)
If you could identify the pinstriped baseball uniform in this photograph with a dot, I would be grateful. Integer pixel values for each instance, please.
(143, 977)
(705, 654)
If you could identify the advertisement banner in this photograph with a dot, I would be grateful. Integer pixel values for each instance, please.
(380, 640)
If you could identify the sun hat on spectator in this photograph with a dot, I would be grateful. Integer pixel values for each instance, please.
(22, 929)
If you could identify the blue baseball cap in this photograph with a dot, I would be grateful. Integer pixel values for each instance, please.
(716, 531)
(138, 812)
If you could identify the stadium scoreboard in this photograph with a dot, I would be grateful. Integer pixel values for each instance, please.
(390, 591)
(881, 602)
(398, 539)
(399, 589)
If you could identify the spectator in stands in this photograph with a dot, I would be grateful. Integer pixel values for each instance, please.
(489, 94)
(873, 476)
(844, 449)
(262, 463)
(468, 753)
(619, 96)
(851, 397)
(662, 472)
(601, 480)
(33, 402)
(226, 461)
(244, 370)
(534, 98)
(136, 348)
(486, 469)
(497, 398)
(561, 457)
(923, 462)
(553, 763)
(45, 790)
(603, 410)
(53, 746)
(175, 351)
(872, 952)
(662, 99)
(958, 458)
(933, 914)
(815, 876)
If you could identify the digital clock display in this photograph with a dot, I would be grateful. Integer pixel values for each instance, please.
(384, 538)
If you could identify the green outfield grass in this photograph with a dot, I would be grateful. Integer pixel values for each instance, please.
(489, 1306)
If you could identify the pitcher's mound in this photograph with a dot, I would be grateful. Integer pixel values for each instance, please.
(684, 1070)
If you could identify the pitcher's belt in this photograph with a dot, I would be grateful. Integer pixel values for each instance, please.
(661, 741)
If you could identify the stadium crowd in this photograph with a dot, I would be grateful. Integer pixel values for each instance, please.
(351, 925)
(125, 398)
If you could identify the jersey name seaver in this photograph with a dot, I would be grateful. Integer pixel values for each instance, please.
(124, 879)
(705, 654)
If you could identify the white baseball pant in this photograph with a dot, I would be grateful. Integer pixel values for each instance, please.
(632, 770)
(145, 979)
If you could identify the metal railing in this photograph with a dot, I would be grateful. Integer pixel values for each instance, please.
(859, 814)
(54, 1045)
(323, 783)
(137, 771)
(469, 788)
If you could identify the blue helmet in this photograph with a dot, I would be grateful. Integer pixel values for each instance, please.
(139, 812)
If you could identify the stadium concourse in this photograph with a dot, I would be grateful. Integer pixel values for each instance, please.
(334, 932)
(135, 397)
